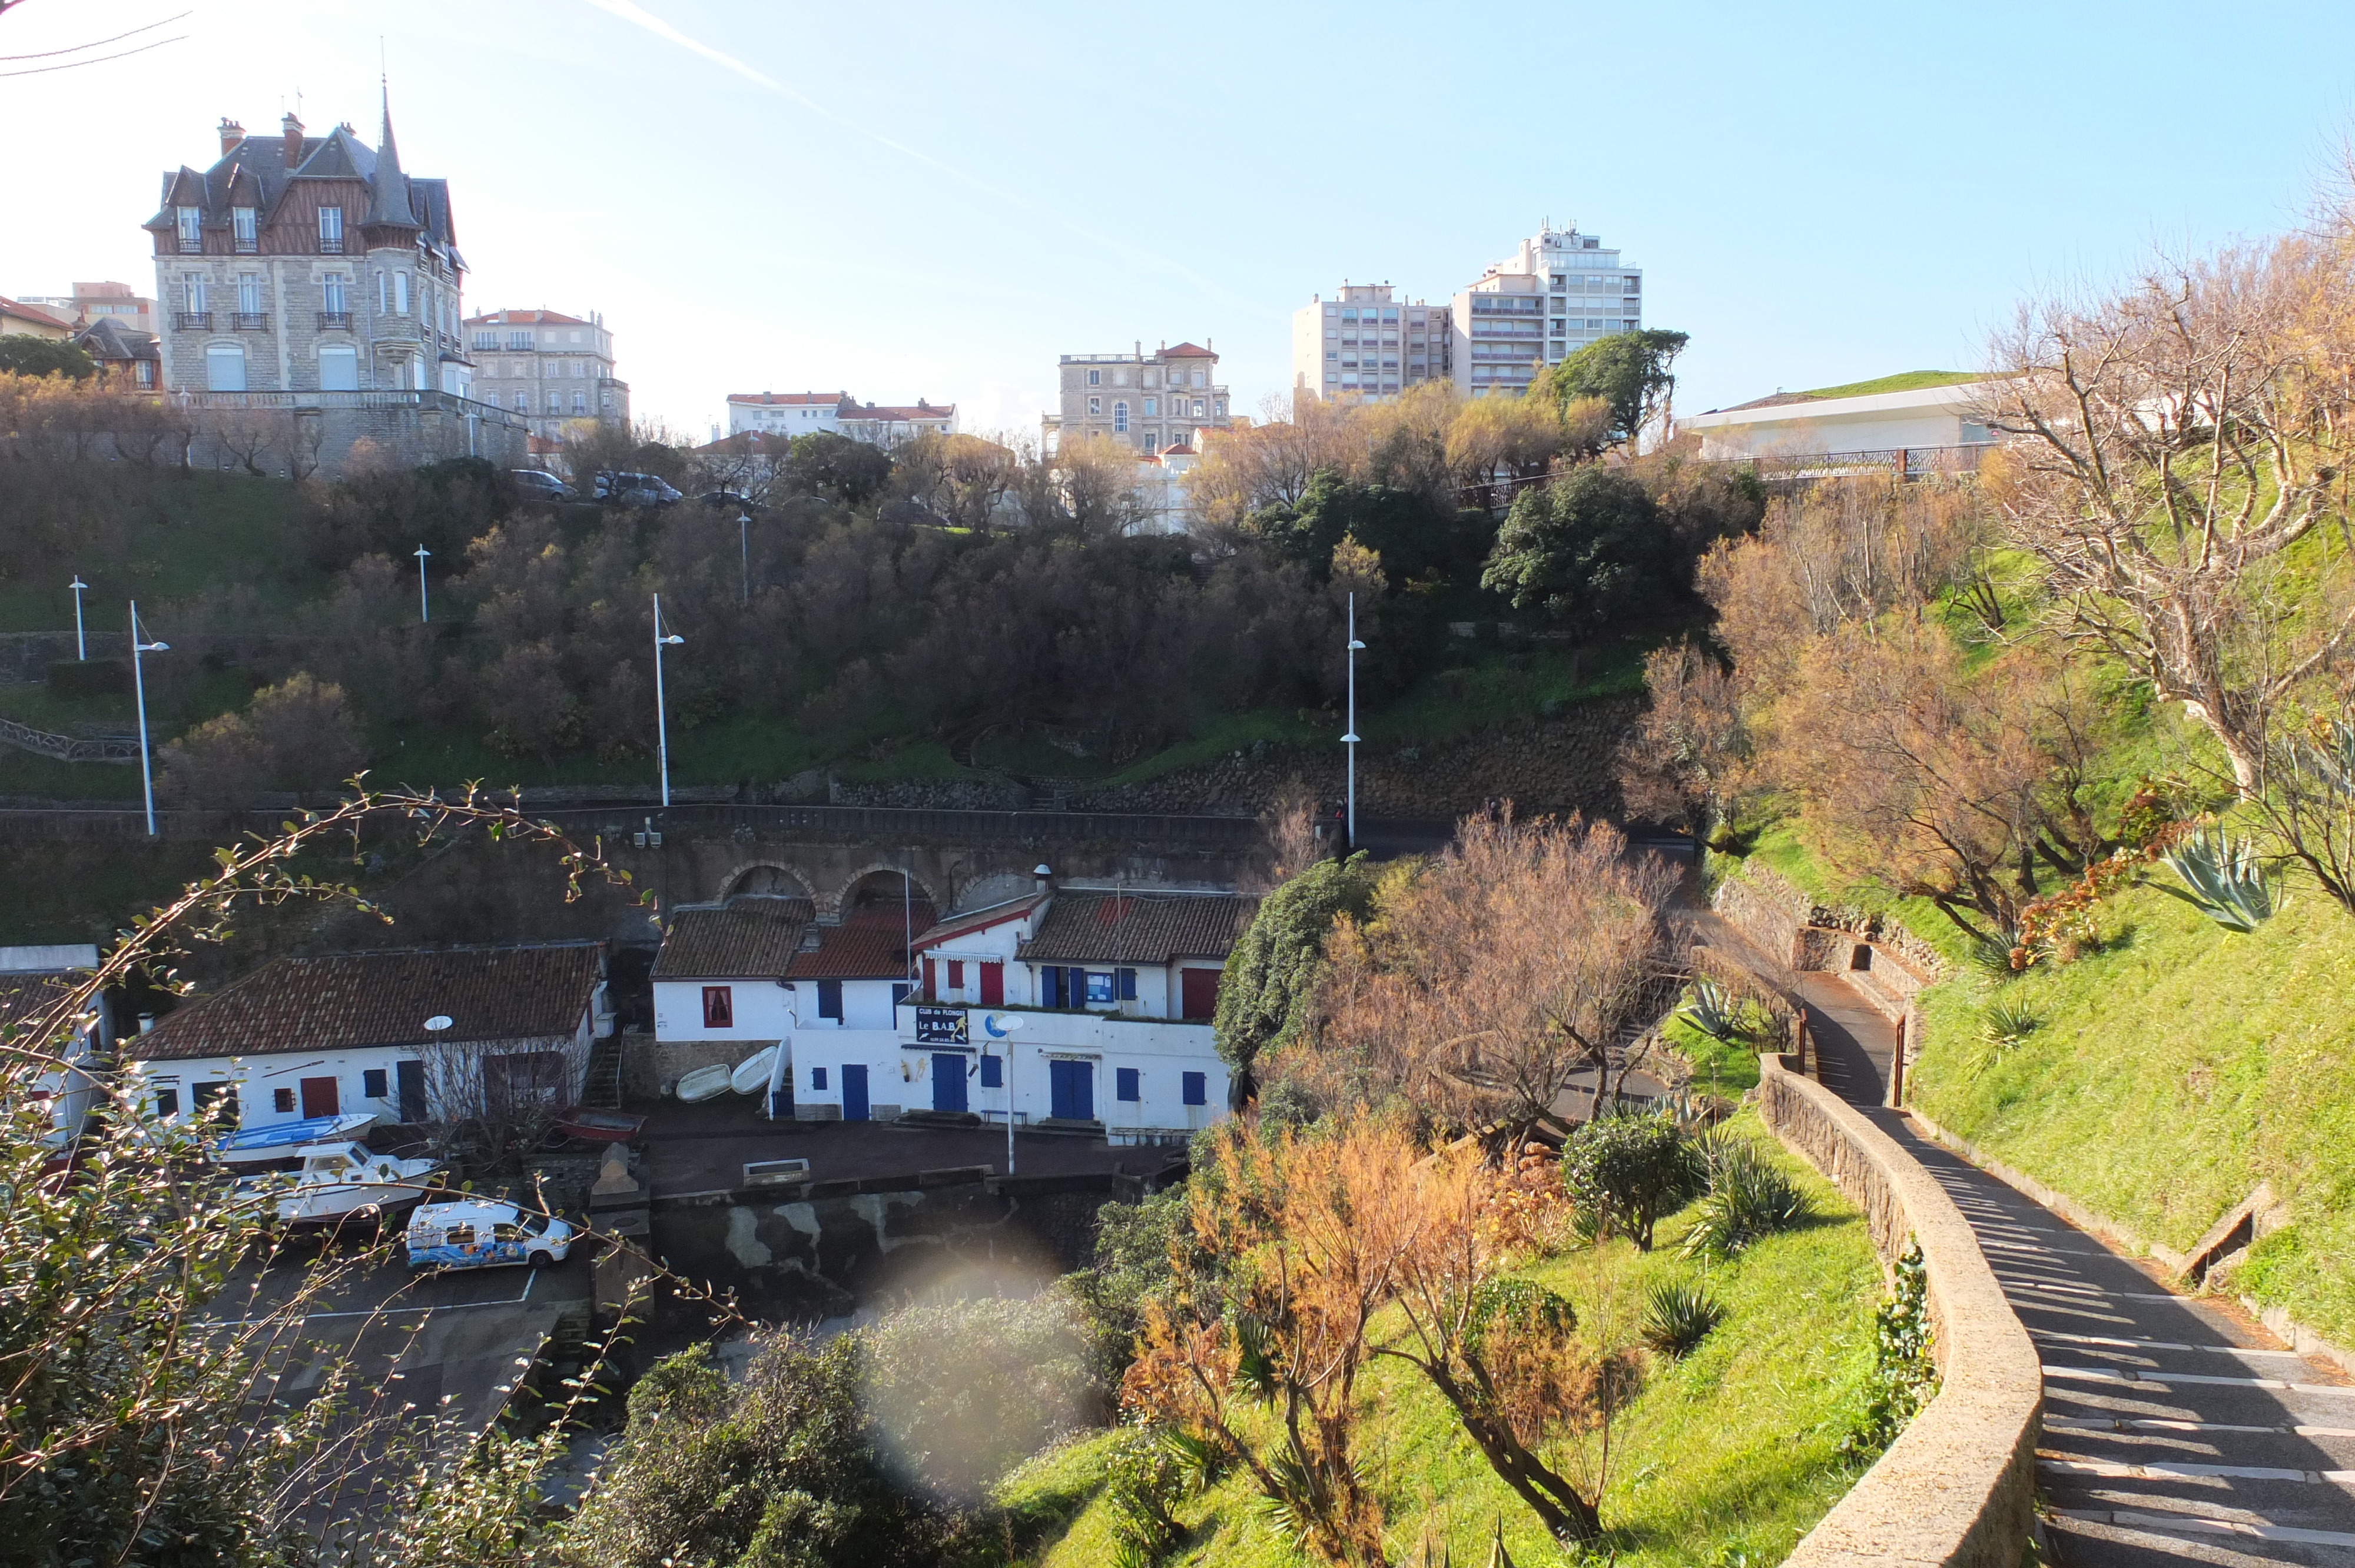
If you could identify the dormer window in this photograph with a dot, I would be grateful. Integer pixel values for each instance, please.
(243, 224)
(192, 230)
(331, 231)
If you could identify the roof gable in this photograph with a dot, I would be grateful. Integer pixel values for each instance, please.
(751, 938)
(980, 919)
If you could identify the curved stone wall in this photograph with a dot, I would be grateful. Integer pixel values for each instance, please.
(1957, 1487)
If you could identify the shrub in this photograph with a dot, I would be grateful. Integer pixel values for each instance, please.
(1144, 1482)
(1748, 1198)
(2002, 1029)
(1622, 1173)
(1904, 1376)
(1677, 1316)
(959, 1392)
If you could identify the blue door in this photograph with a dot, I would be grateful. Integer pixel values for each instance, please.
(948, 1081)
(854, 1091)
(1073, 1087)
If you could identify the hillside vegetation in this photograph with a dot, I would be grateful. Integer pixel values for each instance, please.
(1728, 1455)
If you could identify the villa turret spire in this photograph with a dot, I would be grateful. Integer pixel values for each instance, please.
(389, 203)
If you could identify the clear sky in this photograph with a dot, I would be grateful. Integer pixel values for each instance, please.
(932, 199)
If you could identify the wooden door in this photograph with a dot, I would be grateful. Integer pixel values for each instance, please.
(948, 1081)
(1072, 1090)
(410, 1077)
(992, 985)
(1197, 993)
(854, 1091)
(319, 1098)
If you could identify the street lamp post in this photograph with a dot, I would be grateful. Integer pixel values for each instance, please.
(81, 647)
(139, 685)
(424, 609)
(662, 727)
(1351, 739)
(745, 545)
(1008, 1028)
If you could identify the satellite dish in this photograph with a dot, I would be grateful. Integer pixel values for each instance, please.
(998, 1026)
(440, 1021)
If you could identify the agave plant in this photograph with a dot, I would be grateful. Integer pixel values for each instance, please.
(1747, 1198)
(1677, 1316)
(1714, 1011)
(2002, 1027)
(2225, 879)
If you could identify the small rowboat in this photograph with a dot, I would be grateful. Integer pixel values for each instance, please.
(751, 1074)
(283, 1141)
(599, 1125)
(706, 1083)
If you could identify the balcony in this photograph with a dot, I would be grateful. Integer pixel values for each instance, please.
(193, 321)
(335, 320)
(253, 321)
(331, 247)
(249, 247)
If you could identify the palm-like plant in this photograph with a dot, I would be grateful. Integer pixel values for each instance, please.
(2225, 879)
(1714, 1011)
(1677, 1316)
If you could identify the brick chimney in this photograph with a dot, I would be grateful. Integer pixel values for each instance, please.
(294, 130)
(231, 133)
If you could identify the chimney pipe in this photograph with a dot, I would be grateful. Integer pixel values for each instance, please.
(1046, 878)
(231, 133)
(146, 1022)
(294, 130)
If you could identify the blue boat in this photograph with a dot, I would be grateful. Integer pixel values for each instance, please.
(282, 1139)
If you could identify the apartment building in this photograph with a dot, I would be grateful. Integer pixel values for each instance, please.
(547, 366)
(19, 318)
(785, 415)
(1363, 346)
(300, 263)
(93, 303)
(1148, 400)
(1560, 290)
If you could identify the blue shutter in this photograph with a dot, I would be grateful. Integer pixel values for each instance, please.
(829, 1000)
(1052, 986)
(817, 1077)
(1126, 1082)
(1128, 985)
(1197, 1089)
(993, 1072)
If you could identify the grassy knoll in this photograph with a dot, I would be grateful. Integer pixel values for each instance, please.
(1732, 1451)
(1904, 381)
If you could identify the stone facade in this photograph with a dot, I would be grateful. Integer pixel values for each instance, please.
(548, 368)
(1146, 401)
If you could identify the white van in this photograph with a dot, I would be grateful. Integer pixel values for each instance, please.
(477, 1234)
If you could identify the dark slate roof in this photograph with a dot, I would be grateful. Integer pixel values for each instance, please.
(107, 338)
(254, 173)
(1139, 927)
(871, 943)
(751, 938)
(345, 1001)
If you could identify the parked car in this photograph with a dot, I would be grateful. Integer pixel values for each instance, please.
(480, 1234)
(720, 498)
(538, 484)
(635, 490)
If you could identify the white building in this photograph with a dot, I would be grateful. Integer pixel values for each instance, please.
(1560, 292)
(1365, 346)
(785, 414)
(33, 982)
(1927, 415)
(410, 1035)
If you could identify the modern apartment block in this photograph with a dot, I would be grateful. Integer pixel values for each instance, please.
(300, 263)
(550, 368)
(1363, 346)
(92, 302)
(1560, 292)
(1148, 400)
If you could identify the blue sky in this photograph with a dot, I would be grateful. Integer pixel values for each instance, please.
(935, 200)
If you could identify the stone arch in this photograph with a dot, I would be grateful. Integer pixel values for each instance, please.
(766, 876)
(844, 895)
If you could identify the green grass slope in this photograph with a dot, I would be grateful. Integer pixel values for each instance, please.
(2169, 1074)
(1730, 1455)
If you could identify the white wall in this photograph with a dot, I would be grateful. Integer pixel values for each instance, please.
(764, 1011)
(787, 419)
(1927, 417)
(866, 1004)
(256, 1078)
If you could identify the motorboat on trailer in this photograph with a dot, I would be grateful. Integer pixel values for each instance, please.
(340, 1181)
(285, 1140)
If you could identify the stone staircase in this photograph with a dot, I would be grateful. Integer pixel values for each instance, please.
(602, 1089)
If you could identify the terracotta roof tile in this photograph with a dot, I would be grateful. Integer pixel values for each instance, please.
(751, 938)
(1187, 351)
(1139, 927)
(870, 944)
(345, 1001)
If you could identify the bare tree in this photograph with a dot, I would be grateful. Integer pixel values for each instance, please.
(2173, 439)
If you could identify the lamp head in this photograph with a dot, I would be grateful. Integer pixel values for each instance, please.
(1349, 739)
(153, 647)
(673, 640)
(1356, 646)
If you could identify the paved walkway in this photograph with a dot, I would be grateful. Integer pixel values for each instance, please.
(2174, 1432)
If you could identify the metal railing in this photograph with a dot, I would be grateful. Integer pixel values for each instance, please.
(335, 320)
(253, 321)
(66, 747)
(193, 321)
(447, 402)
(1909, 462)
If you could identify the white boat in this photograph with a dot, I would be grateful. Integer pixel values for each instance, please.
(285, 1140)
(343, 1180)
(751, 1074)
(706, 1083)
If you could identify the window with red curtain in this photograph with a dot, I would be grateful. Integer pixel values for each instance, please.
(718, 1007)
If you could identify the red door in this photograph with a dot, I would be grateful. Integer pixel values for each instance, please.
(992, 985)
(1197, 993)
(319, 1097)
(932, 987)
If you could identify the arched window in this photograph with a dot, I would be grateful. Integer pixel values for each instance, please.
(340, 369)
(1120, 417)
(225, 368)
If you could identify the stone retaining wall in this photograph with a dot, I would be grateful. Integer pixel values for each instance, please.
(1958, 1487)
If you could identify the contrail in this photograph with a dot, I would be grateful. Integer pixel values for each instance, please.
(637, 15)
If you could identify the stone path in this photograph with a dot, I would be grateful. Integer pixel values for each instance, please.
(2174, 1432)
